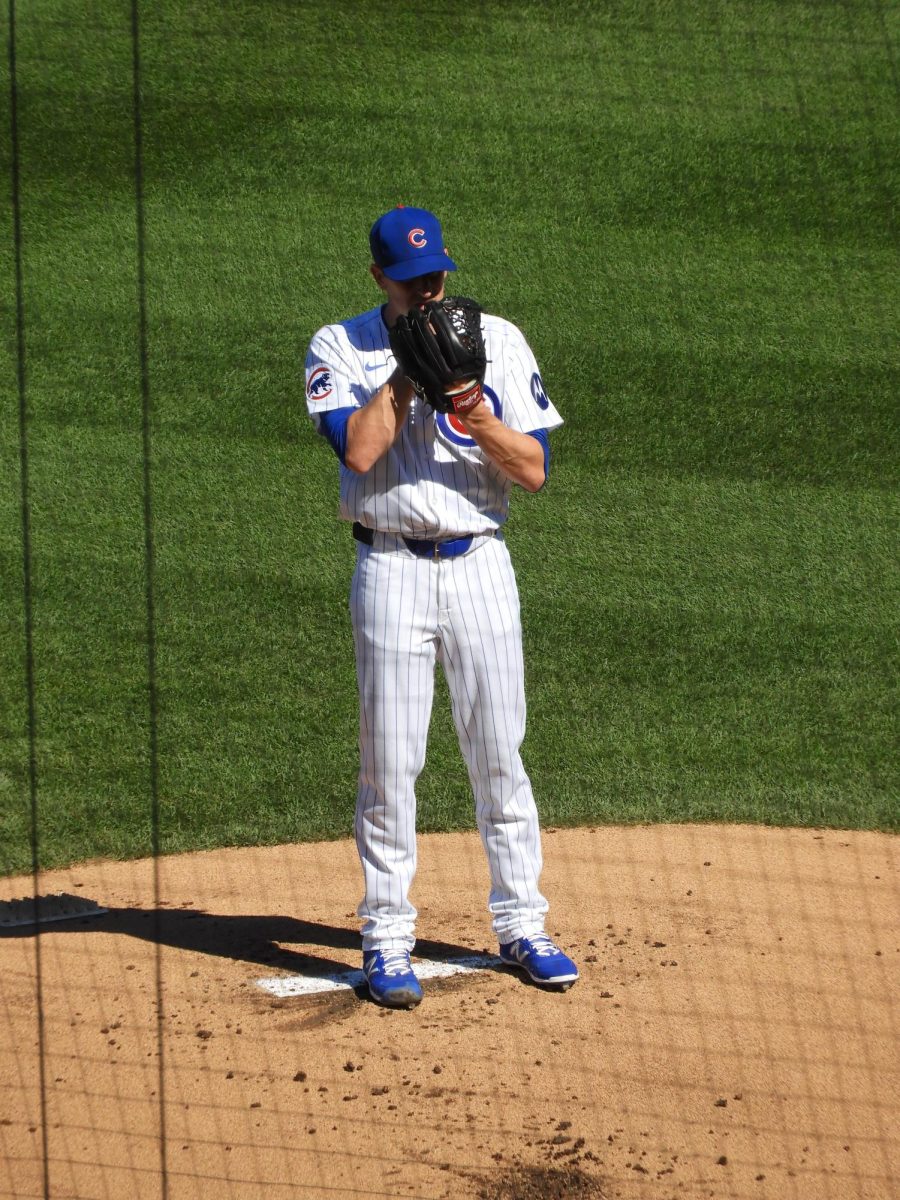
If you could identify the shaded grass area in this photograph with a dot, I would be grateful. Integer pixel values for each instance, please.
(690, 210)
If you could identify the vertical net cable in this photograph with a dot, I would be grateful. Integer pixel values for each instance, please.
(149, 582)
(27, 589)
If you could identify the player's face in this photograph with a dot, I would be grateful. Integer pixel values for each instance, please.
(404, 294)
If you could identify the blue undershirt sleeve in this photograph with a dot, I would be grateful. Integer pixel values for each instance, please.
(333, 427)
(540, 435)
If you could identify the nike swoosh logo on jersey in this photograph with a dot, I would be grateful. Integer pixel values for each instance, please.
(375, 366)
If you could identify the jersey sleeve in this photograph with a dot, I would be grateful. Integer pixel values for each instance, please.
(330, 375)
(526, 405)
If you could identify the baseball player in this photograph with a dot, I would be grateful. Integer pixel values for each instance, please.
(435, 410)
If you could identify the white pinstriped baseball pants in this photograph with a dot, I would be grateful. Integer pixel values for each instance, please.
(407, 613)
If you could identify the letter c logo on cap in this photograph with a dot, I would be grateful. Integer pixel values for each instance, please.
(416, 237)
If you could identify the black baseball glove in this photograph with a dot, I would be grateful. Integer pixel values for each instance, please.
(440, 349)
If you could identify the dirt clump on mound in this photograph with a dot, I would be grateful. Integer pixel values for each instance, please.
(541, 1183)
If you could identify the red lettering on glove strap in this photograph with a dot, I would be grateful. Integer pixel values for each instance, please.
(467, 398)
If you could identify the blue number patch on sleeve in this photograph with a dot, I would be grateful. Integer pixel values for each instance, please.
(537, 391)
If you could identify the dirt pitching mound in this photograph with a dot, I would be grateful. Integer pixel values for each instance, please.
(734, 1032)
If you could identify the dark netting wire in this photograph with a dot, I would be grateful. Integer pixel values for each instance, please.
(149, 577)
(27, 588)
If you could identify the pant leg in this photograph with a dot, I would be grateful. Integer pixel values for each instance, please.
(481, 651)
(393, 616)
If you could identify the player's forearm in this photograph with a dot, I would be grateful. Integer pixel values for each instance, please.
(373, 429)
(518, 455)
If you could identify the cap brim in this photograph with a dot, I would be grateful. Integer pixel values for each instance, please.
(419, 266)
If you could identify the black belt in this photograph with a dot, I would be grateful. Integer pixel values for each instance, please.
(420, 546)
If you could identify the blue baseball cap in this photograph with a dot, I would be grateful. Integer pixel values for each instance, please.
(406, 242)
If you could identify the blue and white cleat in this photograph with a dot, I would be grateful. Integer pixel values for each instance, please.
(541, 960)
(390, 977)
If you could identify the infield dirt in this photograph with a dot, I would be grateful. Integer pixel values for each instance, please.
(734, 1032)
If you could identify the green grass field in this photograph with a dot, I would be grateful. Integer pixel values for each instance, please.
(690, 208)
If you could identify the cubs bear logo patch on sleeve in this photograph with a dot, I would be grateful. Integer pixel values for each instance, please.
(319, 385)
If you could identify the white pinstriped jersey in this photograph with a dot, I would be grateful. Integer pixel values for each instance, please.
(434, 482)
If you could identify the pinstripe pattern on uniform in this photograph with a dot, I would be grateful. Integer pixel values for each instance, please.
(426, 485)
(393, 613)
(481, 651)
(407, 614)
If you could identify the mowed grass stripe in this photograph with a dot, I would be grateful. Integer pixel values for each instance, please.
(688, 208)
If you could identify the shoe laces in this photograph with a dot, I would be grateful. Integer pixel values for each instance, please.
(395, 962)
(542, 946)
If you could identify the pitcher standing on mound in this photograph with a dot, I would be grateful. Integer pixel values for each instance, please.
(426, 473)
